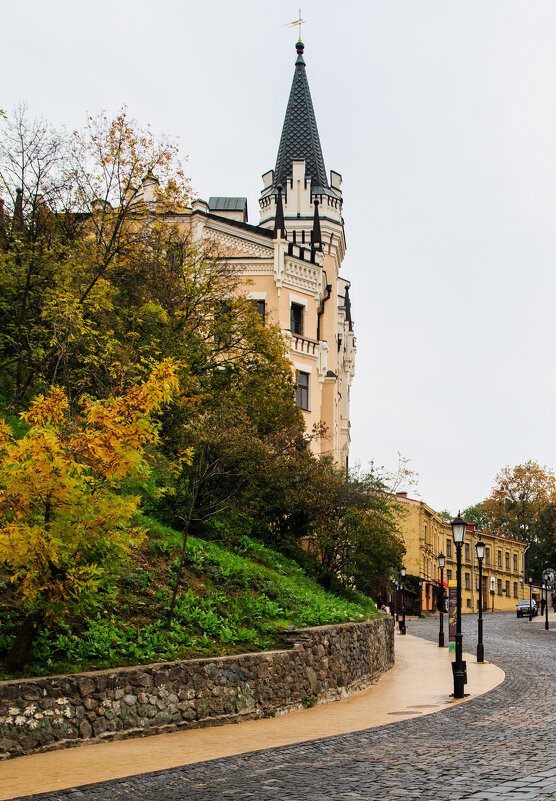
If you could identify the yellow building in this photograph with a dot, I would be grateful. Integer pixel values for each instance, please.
(426, 535)
(291, 264)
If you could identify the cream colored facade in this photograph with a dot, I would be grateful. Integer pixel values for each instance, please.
(291, 262)
(426, 535)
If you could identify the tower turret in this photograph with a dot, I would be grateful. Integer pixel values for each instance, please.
(300, 167)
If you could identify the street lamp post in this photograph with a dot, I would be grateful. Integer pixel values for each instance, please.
(402, 621)
(459, 666)
(545, 588)
(480, 548)
(420, 597)
(441, 563)
(530, 599)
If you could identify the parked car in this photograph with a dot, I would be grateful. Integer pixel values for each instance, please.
(524, 607)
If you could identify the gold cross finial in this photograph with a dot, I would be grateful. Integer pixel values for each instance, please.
(299, 22)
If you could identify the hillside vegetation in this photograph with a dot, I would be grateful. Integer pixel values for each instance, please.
(232, 601)
(137, 378)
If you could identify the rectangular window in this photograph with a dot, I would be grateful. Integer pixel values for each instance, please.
(499, 558)
(296, 318)
(508, 589)
(448, 575)
(507, 561)
(448, 547)
(467, 581)
(260, 308)
(302, 390)
(515, 589)
(487, 556)
(425, 532)
(469, 603)
(223, 324)
(499, 586)
(515, 562)
(467, 552)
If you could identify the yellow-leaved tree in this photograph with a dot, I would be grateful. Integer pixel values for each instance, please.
(66, 520)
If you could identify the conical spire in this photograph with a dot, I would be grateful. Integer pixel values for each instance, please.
(300, 136)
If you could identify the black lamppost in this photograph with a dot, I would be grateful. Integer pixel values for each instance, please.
(420, 597)
(402, 621)
(545, 588)
(530, 599)
(459, 666)
(480, 548)
(441, 563)
(392, 597)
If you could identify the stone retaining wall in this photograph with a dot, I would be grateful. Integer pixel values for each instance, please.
(322, 664)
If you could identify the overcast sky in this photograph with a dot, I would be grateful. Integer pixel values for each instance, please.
(440, 115)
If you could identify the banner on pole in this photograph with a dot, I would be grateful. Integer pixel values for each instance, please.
(452, 614)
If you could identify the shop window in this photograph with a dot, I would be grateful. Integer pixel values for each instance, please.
(296, 319)
(302, 390)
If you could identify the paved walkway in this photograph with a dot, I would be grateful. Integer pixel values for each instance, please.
(499, 745)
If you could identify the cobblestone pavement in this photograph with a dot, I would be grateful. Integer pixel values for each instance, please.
(498, 747)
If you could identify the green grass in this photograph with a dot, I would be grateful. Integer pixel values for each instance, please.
(230, 601)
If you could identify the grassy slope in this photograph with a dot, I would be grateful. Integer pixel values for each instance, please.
(231, 602)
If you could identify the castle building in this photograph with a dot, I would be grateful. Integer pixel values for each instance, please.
(291, 264)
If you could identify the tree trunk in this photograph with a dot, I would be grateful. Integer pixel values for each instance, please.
(18, 656)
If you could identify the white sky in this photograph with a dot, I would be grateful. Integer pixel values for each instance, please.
(440, 115)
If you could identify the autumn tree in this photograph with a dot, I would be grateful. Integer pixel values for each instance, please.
(522, 505)
(66, 517)
(70, 245)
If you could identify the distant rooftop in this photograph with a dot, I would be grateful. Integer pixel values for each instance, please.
(228, 204)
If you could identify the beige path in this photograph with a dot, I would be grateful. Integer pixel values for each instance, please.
(418, 684)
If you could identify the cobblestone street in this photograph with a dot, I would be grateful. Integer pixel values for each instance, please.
(500, 746)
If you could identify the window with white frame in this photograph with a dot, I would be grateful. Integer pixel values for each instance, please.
(302, 389)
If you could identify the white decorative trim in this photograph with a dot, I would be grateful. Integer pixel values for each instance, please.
(302, 276)
(254, 268)
(302, 367)
(238, 243)
(299, 301)
(256, 295)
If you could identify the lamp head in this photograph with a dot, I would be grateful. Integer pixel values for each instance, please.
(458, 529)
(441, 560)
(402, 572)
(480, 548)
